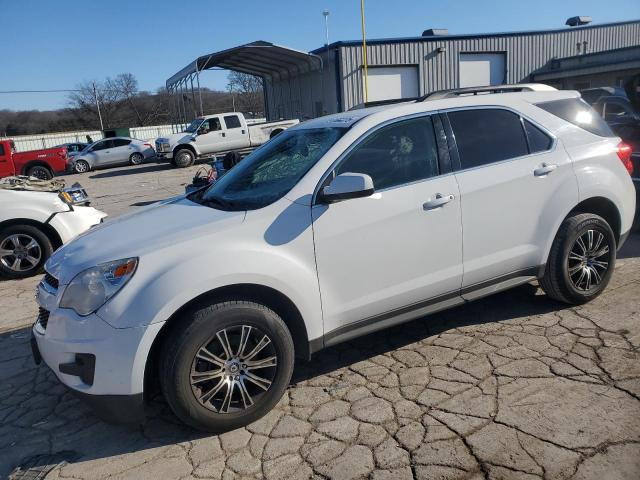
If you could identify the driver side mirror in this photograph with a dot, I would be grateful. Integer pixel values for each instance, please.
(346, 186)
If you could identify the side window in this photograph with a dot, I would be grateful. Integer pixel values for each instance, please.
(538, 140)
(99, 146)
(485, 136)
(214, 124)
(613, 111)
(232, 121)
(579, 113)
(397, 154)
(121, 142)
(1, 150)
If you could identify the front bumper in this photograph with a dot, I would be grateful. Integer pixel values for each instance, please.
(103, 365)
(72, 223)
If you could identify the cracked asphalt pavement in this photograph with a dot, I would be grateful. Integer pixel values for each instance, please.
(514, 386)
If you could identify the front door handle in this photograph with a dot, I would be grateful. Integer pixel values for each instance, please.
(545, 169)
(437, 202)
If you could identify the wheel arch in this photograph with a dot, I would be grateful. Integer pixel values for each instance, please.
(36, 163)
(275, 132)
(268, 296)
(604, 208)
(183, 146)
(47, 229)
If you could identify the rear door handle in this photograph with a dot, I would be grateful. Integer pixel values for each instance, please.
(437, 202)
(544, 169)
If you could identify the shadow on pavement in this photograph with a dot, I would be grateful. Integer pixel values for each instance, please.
(147, 168)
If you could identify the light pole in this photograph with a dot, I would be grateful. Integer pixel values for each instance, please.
(364, 54)
(325, 13)
(95, 96)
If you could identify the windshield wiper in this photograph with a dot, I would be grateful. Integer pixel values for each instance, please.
(212, 201)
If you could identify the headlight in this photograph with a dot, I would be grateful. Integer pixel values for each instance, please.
(91, 288)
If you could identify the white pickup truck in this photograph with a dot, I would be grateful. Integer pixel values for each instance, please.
(220, 133)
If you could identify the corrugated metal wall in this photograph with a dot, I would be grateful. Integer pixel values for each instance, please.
(524, 54)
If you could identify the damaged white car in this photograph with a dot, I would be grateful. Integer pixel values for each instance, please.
(37, 217)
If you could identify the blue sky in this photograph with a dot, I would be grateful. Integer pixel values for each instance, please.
(55, 44)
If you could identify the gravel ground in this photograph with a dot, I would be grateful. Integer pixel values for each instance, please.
(514, 386)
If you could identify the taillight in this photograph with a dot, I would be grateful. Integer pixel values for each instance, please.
(624, 154)
(148, 145)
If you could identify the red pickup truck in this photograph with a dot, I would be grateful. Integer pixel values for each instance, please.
(42, 164)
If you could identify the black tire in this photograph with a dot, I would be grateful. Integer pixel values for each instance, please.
(23, 232)
(199, 328)
(81, 166)
(136, 158)
(557, 282)
(183, 158)
(41, 172)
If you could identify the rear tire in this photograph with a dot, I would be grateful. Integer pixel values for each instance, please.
(31, 247)
(232, 396)
(136, 158)
(41, 172)
(581, 260)
(184, 158)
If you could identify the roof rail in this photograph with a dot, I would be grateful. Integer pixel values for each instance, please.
(460, 92)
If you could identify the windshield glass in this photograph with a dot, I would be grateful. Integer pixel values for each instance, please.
(193, 126)
(271, 171)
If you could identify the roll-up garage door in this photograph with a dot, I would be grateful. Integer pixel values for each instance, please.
(481, 69)
(389, 83)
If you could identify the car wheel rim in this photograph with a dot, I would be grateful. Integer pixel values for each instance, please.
(184, 158)
(136, 159)
(81, 167)
(40, 173)
(234, 369)
(20, 252)
(589, 260)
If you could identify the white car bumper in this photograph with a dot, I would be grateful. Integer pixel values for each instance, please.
(102, 364)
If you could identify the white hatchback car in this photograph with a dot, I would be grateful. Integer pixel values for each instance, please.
(340, 226)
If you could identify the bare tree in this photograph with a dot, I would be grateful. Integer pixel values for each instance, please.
(87, 96)
(248, 91)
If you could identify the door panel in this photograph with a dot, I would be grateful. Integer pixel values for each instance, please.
(214, 140)
(399, 247)
(385, 252)
(510, 206)
(6, 165)
(237, 133)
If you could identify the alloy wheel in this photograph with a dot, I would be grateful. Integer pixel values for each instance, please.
(233, 369)
(589, 260)
(20, 252)
(136, 159)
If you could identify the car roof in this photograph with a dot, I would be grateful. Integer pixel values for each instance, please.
(349, 118)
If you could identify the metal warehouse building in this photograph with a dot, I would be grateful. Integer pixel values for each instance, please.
(330, 79)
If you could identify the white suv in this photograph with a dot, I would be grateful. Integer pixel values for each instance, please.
(339, 226)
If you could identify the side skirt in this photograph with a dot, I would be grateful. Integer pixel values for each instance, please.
(426, 307)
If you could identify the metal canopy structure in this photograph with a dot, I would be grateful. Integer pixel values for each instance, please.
(263, 59)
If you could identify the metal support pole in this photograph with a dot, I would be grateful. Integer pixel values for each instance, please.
(199, 92)
(193, 98)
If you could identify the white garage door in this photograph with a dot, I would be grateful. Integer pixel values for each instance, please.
(388, 83)
(481, 69)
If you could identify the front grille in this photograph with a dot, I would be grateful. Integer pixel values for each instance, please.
(51, 280)
(43, 317)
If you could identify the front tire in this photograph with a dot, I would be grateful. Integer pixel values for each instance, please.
(184, 158)
(23, 251)
(40, 172)
(81, 166)
(226, 365)
(581, 260)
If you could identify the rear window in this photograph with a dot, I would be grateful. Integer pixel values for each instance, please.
(579, 113)
(232, 121)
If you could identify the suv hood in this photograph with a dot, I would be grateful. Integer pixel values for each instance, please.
(169, 224)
